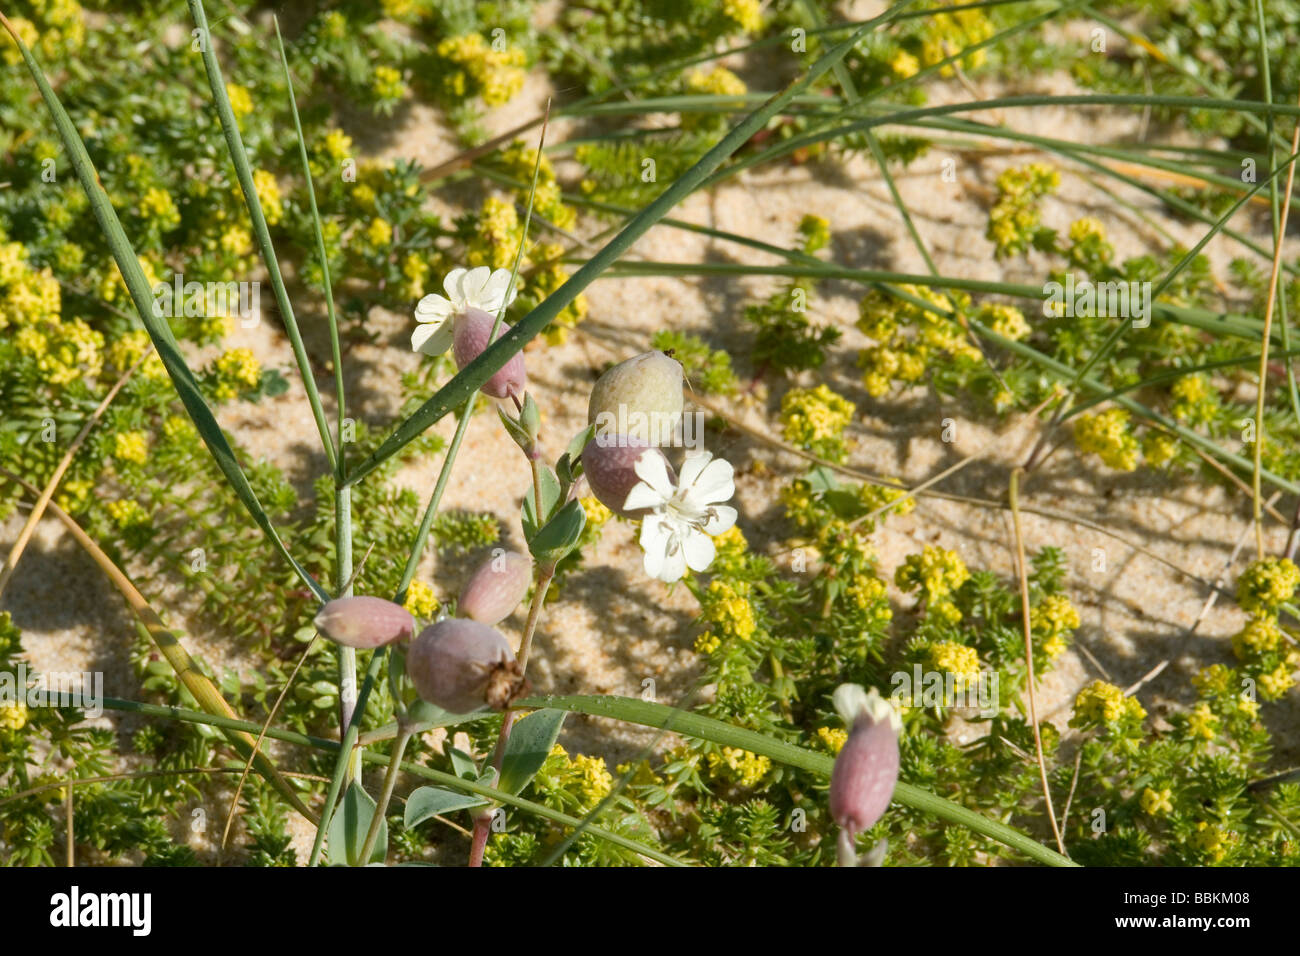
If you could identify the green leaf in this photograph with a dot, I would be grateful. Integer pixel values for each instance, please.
(348, 830)
(661, 716)
(530, 743)
(561, 533)
(427, 802)
(550, 487)
(462, 764)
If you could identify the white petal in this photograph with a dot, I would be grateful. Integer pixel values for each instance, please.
(673, 567)
(432, 338)
(643, 496)
(651, 469)
(433, 308)
(452, 285)
(699, 550)
(654, 542)
(718, 519)
(472, 286)
(494, 292)
(713, 484)
(695, 461)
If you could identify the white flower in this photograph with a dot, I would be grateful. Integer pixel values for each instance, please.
(480, 288)
(852, 702)
(676, 535)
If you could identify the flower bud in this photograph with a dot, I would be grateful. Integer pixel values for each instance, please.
(461, 665)
(610, 466)
(472, 328)
(866, 769)
(640, 398)
(364, 622)
(497, 587)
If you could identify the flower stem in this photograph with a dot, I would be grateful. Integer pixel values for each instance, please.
(390, 780)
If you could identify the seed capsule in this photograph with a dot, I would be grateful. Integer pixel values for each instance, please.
(461, 665)
(609, 462)
(497, 587)
(365, 622)
(640, 398)
(472, 328)
(866, 769)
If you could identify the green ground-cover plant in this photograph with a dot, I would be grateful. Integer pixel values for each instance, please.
(222, 162)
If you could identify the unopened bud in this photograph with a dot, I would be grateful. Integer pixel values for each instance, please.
(641, 397)
(473, 327)
(866, 769)
(496, 588)
(364, 622)
(461, 665)
(610, 467)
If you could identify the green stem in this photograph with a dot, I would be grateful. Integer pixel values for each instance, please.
(390, 781)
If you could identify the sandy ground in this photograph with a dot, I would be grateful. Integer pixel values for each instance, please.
(614, 628)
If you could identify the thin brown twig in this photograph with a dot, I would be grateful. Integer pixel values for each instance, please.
(1279, 234)
(47, 493)
(1022, 572)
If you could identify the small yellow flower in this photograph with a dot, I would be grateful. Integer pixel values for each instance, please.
(1157, 802)
(127, 513)
(380, 232)
(13, 715)
(833, 737)
(1202, 722)
(131, 446)
(241, 103)
(727, 609)
(420, 600)
(597, 514)
(1107, 435)
(958, 659)
(1101, 702)
(1267, 583)
(747, 14)
(740, 766)
(268, 194)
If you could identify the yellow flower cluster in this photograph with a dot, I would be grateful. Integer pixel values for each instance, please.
(902, 357)
(1088, 245)
(1053, 618)
(13, 715)
(1196, 401)
(1158, 448)
(379, 233)
(241, 102)
(938, 573)
(179, 428)
(1266, 584)
(235, 371)
(127, 513)
(833, 738)
(813, 417)
(1202, 722)
(420, 600)
(545, 280)
(747, 14)
(30, 301)
(953, 658)
(727, 608)
(59, 30)
(131, 446)
(1260, 635)
(946, 34)
(1015, 217)
(1157, 802)
(1101, 702)
(597, 514)
(739, 766)
(495, 75)
(1273, 684)
(586, 777)
(718, 81)
(158, 209)
(1212, 841)
(496, 239)
(1107, 435)
(1005, 320)
(519, 161)
(387, 83)
(268, 194)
